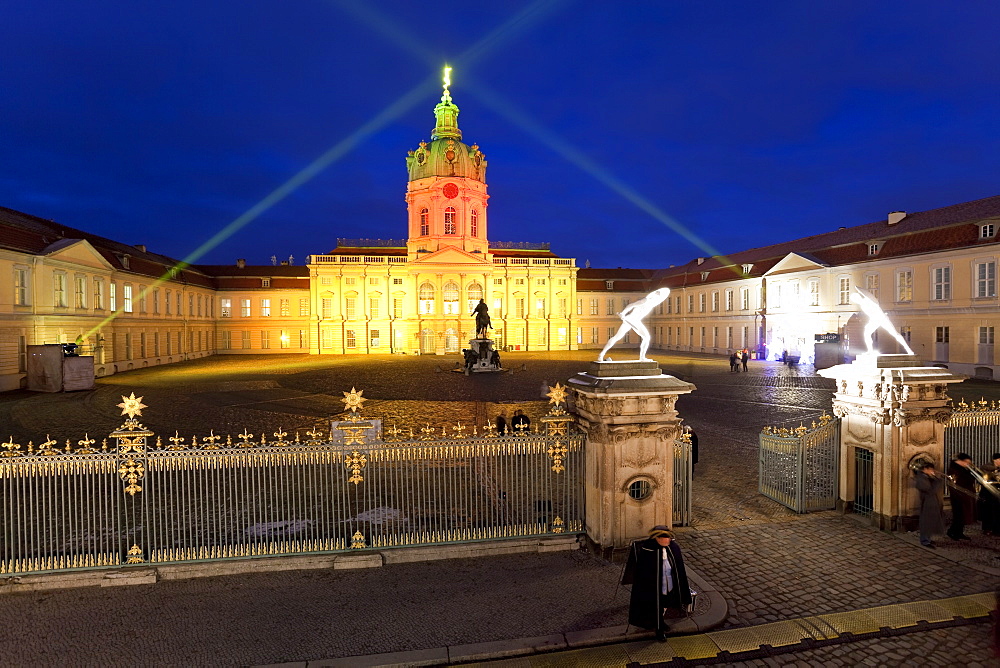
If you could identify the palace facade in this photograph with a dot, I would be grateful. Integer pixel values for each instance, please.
(934, 273)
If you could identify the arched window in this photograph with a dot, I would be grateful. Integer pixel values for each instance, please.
(474, 223)
(426, 297)
(425, 227)
(475, 294)
(449, 220)
(450, 294)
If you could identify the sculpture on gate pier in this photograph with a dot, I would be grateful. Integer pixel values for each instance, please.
(632, 316)
(480, 356)
(877, 319)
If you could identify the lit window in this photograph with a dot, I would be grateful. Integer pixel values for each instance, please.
(873, 249)
(594, 307)
(904, 286)
(374, 338)
(450, 294)
(127, 298)
(20, 286)
(351, 339)
(475, 293)
(474, 223)
(227, 308)
(425, 297)
(350, 308)
(283, 306)
(814, 292)
(99, 294)
(986, 279)
(374, 311)
(326, 309)
(59, 290)
(245, 308)
(540, 307)
(845, 291)
(449, 220)
(871, 284)
(303, 307)
(265, 282)
(942, 283)
(265, 339)
(265, 308)
(80, 296)
(425, 228)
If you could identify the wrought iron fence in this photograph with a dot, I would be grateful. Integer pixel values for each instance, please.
(973, 429)
(143, 501)
(798, 466)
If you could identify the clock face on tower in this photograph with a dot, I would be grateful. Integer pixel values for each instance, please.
(450, 190)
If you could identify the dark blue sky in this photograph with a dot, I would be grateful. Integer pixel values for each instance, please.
(746, 123)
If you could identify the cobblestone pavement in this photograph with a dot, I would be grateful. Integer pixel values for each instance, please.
(957, 646)
(770, 563)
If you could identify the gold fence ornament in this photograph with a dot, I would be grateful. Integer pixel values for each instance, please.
(45, 448)
(353, 401)
(358, 541)
(210, 442)
(85, 444)
(135, 555)
(245, 441)
(557, 451)
(280, 435)
(459, 430)
(355, 462)
(132, 472)
(12, 448)
(177, 440)
(558, 526)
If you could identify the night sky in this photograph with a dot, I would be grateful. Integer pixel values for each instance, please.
(608, 126)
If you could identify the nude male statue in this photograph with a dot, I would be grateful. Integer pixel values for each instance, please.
(877, 319)
(632, 316)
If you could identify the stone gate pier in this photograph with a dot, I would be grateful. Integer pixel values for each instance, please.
(627, 411)
(894, 410)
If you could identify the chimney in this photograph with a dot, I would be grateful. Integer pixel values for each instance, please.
(700, 260)
(896, 216)
(241, 263)
(141, 247)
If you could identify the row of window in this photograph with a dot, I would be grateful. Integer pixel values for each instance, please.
(102, 295)
(264, 307)
(450, 222)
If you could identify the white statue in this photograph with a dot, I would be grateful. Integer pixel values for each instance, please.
(632, 316)
(877, 319)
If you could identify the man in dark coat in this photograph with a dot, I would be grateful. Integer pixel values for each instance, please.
(930, 484)
(501, 423)
(655, 569)
(520, 423)
(963, 496)
(989, 500)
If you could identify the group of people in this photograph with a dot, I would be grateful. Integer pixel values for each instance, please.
(519, 423)
(966, 505)
(740, 357)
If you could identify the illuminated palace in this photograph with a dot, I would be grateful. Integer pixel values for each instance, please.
(934, 273)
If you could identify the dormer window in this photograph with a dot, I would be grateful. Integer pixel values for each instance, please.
(987, 231)
(747, 268)
(610, 285)
(704, 276)
(124, 259)
(873, 248)
(265, 282)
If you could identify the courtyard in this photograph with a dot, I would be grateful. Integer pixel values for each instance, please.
(770, 563)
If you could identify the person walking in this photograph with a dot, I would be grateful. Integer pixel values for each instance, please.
(930, 485)
(520, 423)
(963, 500)
(501, 423)
(989, 499)
(655, 569)
(744, 358)
(733, 364)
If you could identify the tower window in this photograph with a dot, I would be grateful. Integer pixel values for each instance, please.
(449, 220)
(425, 228)
(474, 223)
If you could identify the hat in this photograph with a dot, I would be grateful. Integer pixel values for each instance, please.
(661, 531)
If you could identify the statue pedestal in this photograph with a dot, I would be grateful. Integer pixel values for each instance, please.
(482, 357)
(627, 411)
(894, 411)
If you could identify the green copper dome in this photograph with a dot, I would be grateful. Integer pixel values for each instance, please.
(446, 155)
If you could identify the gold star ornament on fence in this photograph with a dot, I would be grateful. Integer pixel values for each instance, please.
(131, 405)
(353, 400)
(557, 394)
